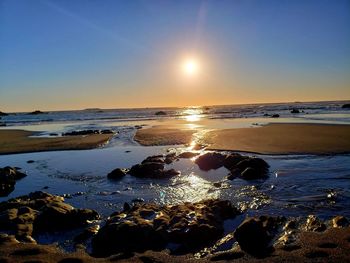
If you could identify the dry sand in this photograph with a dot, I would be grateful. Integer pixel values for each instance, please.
(269, 139)
(18, 141)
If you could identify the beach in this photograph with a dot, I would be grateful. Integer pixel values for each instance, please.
(206, 186)
(275, 138)
(20, 141)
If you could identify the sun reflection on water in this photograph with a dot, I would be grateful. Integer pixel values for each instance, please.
(188, 188)
(192, 114)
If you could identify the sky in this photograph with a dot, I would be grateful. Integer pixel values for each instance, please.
(73, 54)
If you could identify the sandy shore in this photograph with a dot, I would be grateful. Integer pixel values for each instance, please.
(163, 135)
(269, 139)
(18, 141)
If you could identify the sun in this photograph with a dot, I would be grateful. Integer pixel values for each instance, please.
(190, 67)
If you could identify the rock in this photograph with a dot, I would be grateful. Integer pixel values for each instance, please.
(187, 155)
(340, 221)
(36, 112)
(275, 116)
(87, 132)
(210, 160)
(41, 212)
(86, 234)
(294, 111)
(252, 237)
(250, 174)
(232, 160)
(3, 113)
(8, 177)
(160, 113)
(152, 167)
(314, 224)
(117, 174)
(148, 226)
(346, 106)
(30, 161)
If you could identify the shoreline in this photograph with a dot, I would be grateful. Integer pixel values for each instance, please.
(19, 141)
(270, 139)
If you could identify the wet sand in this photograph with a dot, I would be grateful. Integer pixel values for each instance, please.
(18, 141)
(269, 139)
(163, 135)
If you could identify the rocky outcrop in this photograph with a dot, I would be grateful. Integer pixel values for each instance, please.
(151, 227)
(3, 113)
(160, 113)
(40, 212)
(245, 167)
(8, 177)
(36, 112)
(346, 106)
(153, 167)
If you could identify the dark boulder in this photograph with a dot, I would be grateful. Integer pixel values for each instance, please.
(36, 112)
(8, 177)
(295, 111)
(253, 237)
(160, 113)
(210, 160)
(151, 170)
(275, 116)
(117, 174)
(232, 160)
(346, 106)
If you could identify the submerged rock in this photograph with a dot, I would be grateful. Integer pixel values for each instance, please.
(151, 227)
(8, 177)
(117, 174)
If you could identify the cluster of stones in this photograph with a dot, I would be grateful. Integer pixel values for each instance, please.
(87, 132)
(245, 167)
(151, 227)
(8, 177)
(40, 212)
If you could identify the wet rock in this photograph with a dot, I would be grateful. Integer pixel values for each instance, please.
(3, 113)
(152, 167)
(87, 132)
(160, 113)
(275, 116)
(247, 168)
(253, 237)
(8, 177)
(314, 224)
(86, 234)
(37, 112)
(149, 226)
(41, 212)
(117, 174)
(210, 160)
(187, 155)
(340, 221)
(169, 158)
(295, 111)
(346, 106)
(30, 161)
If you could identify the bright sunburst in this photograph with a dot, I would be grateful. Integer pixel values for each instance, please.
(190, 67)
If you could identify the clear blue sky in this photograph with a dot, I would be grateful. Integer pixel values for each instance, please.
(73, 54)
